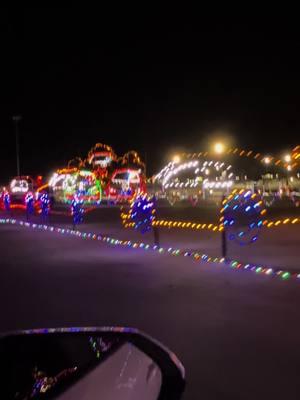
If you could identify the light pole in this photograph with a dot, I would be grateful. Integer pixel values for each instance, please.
(219, 148)
(16, 119)
(266, 161)
(287, 158)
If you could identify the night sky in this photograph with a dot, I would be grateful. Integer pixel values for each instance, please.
(78, 77)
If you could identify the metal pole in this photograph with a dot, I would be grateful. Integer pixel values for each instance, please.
(224, 244)
(224, 238)
(16, 119)
(156, 235)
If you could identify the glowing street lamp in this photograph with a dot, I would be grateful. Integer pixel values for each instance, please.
(219, 148)
(267, 160)
(287, 158)
(176, 159)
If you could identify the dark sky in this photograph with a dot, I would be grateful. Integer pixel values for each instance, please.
(78, 77)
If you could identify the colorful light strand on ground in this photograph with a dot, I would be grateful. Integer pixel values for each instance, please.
(233, 264)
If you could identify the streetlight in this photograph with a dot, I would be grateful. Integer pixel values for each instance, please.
(176, 159)
(16, 119)
(266, 161)
(287, 158)
(219, 148)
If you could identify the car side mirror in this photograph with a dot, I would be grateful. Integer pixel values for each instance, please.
(88, 363)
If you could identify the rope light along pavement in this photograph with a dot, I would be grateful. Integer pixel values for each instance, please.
(233, 264)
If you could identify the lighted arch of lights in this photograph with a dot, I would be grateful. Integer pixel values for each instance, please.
(292, 162)
(201, 171)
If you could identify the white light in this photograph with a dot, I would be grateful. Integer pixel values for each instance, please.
(208, 185)
(19, 186)
(287, 158)
(219, 148)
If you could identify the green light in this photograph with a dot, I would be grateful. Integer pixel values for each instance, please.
(258, 270)
(286, 275)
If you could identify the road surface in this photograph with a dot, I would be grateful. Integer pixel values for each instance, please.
(237, 333)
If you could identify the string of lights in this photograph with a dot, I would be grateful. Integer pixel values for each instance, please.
(246, 153)
(267, 223)
(189, 160)
(198, 257)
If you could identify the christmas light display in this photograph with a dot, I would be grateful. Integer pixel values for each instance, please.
(192, 225)
(142, 212)
(100, 175)
(185, 161)
(131, 158)
(6, 201)
(44, 205)
(29, 203)
(286, 163)
(77, 210)
(241, 216)
(66, 182)
(18, 185)
(76, 162)
(201, 169)
(233, 264)
(101, 155)
(124, 184)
